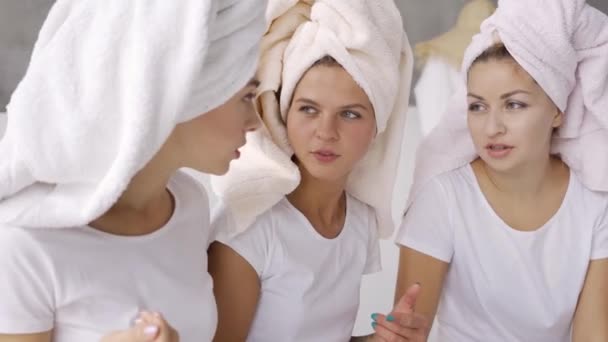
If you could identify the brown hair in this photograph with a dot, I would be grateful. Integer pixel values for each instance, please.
(495, 52)
(326, 60)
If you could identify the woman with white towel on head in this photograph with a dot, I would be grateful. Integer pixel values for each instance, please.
(313, 190)
(96, 222)
(507, 230)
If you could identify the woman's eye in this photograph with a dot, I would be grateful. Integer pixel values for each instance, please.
(249, 97)
(516, 105)
(351, 115)
(476, 107)
(308, 110)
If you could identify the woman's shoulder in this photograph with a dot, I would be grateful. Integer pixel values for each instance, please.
(25, 245)
(353, 203)
(456, 181)
(11, 235)
(264, 221)
(585, 198)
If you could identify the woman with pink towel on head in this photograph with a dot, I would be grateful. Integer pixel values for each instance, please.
(507, 226)
(313, 188)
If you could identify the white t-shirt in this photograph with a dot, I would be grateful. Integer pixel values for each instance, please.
(309, 284)
(504, 284)
(84, 283)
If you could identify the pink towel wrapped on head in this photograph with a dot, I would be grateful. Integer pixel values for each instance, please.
(563, 45)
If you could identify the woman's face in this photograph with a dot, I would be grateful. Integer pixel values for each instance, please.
(510, 117)
(209, 142)
(330, 123)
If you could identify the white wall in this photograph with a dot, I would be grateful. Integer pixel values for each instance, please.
(2, 123)
(20, 21)
(377, 290)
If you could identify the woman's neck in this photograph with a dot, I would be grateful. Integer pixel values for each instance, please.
(527, 182)
(322, 202)
(145, 206)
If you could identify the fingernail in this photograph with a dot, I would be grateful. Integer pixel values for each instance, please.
(390, 318)
(374, 316)
(150, 330)
(374, 324)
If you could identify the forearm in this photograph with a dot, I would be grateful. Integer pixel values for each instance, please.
(416, 267)
(589, 336)
(41, 337)
(590, 328)
(236, 289)
(591, 316)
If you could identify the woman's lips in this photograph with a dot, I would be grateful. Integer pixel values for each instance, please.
(498, 151)
(325, 156)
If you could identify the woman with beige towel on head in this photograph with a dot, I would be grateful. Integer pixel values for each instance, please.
(313, 189)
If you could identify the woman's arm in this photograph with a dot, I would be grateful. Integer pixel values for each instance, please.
(591, 316)
(416, 267)
(237, 290)
(419, 285)
(402, 324)
(41, 337)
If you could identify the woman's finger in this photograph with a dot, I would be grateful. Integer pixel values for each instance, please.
(389, 323)
(381, 333)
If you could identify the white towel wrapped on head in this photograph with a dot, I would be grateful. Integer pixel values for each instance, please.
(106, 84)
(366, 37)
(563, 45)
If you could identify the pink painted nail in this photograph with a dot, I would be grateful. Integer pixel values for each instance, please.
(150, 330)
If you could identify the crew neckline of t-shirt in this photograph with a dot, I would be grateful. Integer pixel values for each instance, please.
(471, 174)
(312, 229)
(168, 226)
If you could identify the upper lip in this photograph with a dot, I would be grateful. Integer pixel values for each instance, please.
(498, 144)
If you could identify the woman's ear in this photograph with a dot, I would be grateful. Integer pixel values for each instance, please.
(558, 119)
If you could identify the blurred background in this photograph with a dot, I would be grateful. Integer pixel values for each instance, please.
(20, 21)
(442, 26)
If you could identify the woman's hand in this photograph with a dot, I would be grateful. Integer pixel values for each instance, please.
(149, 327)
(402, 324)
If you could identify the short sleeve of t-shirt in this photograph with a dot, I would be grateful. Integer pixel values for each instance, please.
(26, 287)
(223, 226)
(254, 244)
(427, 227)
(599, 249)
(373, 263)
